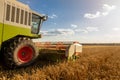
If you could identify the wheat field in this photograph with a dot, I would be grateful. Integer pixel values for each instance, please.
(95, 63)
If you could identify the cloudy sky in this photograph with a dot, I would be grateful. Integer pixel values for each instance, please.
(79, 20)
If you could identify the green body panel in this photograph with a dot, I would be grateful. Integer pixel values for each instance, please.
(1, 25)
(12, 31)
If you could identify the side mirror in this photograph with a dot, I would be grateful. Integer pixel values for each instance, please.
(45, 18)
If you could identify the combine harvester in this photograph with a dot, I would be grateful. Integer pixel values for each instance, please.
(18, 26)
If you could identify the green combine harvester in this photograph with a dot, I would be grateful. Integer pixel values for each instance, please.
(18, 25)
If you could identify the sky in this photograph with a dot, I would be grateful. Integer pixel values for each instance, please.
(86, 21)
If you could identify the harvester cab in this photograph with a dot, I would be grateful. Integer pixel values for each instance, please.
(37, 21)
(18, 25)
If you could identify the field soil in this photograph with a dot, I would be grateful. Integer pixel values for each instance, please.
(95, 63)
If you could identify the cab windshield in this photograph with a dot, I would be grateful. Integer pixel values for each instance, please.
(36, 22)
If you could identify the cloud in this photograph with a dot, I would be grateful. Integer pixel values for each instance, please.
(74, 26)
(91, 29)
(81, 30)
(56, 32)
(116, 29)
(87, 29)
(92, 16)
(53, 16)
(105, 13)
(106, 10)
(67, 32)
(112, 36)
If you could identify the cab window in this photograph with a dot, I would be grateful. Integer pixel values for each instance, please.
(36, 20)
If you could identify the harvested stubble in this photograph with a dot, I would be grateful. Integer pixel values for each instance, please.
(96, 63)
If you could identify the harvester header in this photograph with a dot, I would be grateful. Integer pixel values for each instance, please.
(71, 50)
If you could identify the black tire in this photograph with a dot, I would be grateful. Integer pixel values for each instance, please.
(19, 52)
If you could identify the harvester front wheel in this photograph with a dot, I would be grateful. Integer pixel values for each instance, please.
(20, 52)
